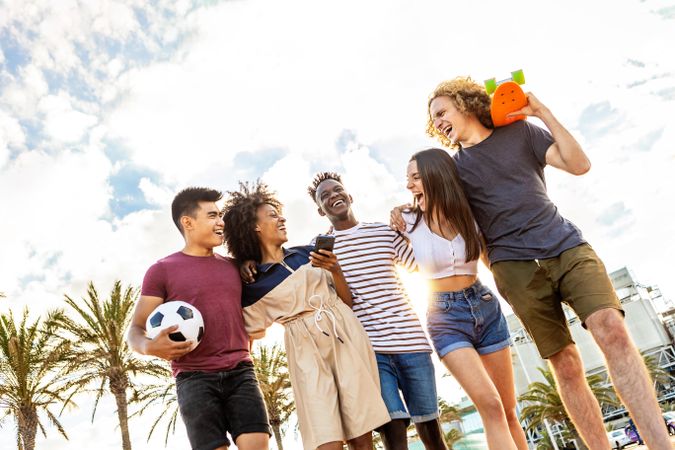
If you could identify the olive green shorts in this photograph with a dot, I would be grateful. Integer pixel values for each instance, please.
(536, 289)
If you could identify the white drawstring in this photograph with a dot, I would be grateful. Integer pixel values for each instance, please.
(318, 316)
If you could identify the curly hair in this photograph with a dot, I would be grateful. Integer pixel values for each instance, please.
(468, 97)
(239, 215)
(320, 178)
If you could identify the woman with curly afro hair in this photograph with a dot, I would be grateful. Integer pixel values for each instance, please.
(331, 363)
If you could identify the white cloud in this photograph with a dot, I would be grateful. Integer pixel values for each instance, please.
(11, 135)
(113, 19)
(155, 194)
(260, 75)
(22, 95)
(62, 122)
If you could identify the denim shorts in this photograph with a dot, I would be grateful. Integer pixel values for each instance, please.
(410, 374)
(470, 318)
(213, 404)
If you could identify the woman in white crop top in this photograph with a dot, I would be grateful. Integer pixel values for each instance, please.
(464, 319)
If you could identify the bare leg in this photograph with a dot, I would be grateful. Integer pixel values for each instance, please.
(466, 366)
(394, 435)
(363, 442)
(337, 445)
(500, 370)
(252, 441)
(577, 397)
(629, 376)
(431, 435)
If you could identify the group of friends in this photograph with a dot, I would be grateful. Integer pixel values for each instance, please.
(358, 357)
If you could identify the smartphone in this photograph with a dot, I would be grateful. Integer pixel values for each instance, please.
(324, 241)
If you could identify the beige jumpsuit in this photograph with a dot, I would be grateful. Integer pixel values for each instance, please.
(331, 363)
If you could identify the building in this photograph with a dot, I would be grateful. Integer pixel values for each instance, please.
(651, 322)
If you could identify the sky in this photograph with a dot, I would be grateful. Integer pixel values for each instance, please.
(108, 108)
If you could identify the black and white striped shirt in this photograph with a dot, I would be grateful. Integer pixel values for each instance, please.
(368, 254)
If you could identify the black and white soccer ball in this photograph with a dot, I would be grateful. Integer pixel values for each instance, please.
(176, 312)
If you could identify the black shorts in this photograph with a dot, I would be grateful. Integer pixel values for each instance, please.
(213, 404)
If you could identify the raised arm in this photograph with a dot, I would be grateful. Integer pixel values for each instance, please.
(248, 271)
(565, 153)
(396, 217)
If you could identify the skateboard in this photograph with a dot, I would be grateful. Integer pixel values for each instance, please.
(507, 96)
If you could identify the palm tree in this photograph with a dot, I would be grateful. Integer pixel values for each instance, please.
(272, 371)
(448, 414)
(102, 355)
(657, 373)
(32, 378)
(543, 401)
(163, 396)
(451, 437)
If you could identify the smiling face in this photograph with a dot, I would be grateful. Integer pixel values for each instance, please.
(415, 186)
(270, 225)
(205, 227)
(447, 119)
(333, 200)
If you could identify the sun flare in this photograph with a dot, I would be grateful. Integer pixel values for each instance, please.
(418, 290)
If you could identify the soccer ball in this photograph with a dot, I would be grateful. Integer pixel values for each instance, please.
(176, 312)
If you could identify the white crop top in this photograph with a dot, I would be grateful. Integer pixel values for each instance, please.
(436, 256)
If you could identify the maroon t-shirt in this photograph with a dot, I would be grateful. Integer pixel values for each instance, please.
(213, 286)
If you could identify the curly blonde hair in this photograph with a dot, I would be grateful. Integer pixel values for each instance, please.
(468, 97)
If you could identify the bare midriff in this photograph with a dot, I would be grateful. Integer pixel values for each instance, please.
(452, 283)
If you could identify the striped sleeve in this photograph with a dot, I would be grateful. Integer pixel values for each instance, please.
(404, 253)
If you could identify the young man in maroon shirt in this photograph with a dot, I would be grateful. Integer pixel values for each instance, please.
(216, 386)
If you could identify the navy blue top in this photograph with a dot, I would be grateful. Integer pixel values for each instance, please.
(270, 275)
(503, 178)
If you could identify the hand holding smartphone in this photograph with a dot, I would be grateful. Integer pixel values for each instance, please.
(324, 242)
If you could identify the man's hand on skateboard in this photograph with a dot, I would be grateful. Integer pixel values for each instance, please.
(533, 108)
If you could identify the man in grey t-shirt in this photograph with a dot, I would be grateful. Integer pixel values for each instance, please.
(538, 258)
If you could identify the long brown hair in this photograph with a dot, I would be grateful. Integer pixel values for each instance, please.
(444, 196)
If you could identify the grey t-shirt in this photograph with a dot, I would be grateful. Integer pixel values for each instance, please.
(503, 178)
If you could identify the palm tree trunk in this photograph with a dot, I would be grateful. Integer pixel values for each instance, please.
(118, 388)
(27, 424)
(276, 428)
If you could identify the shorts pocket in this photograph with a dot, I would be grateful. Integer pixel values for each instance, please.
(486, 295)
